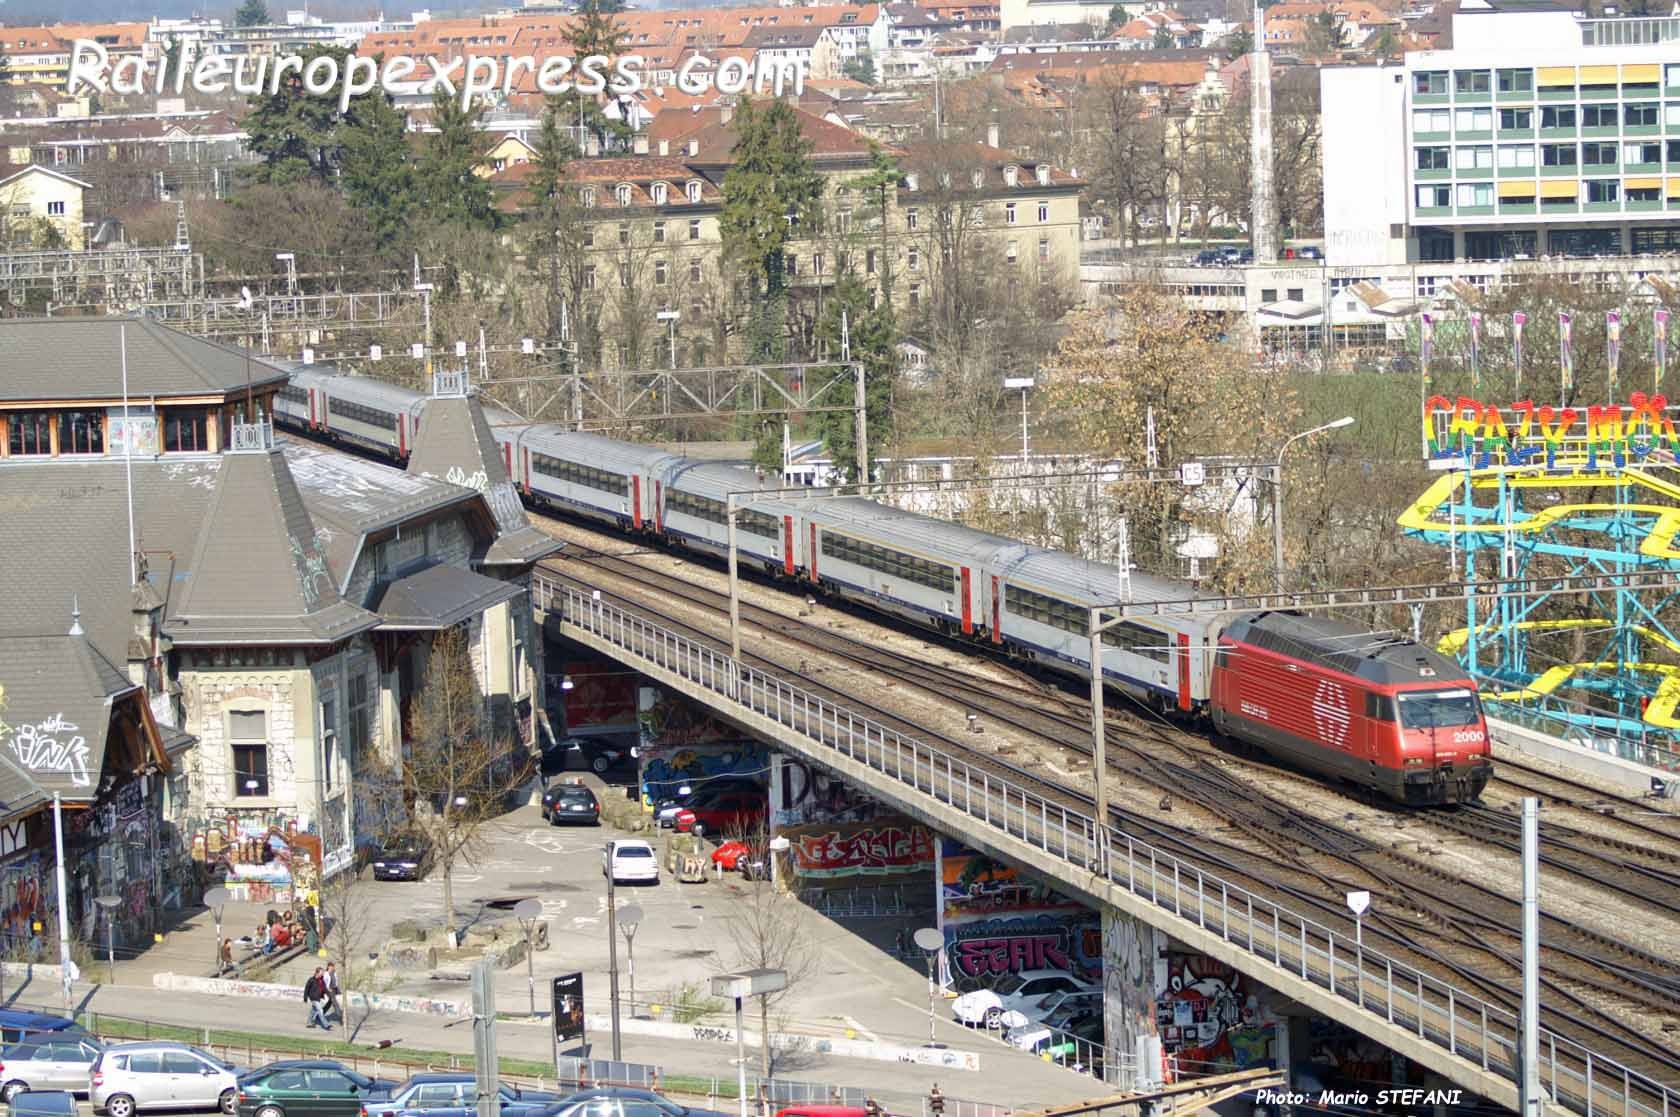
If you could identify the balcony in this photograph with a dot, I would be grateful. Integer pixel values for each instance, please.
(1642, 168)
(1432, 176)
(1600, 131)
(1516, 133)
(1437, 211)
(1570, 171)
(1557, 93)
(1517, 207)
(1599, 92)
(1602, 207)
(1515, 96)
(1477, 174)
(1475, 211)
(1653, 205)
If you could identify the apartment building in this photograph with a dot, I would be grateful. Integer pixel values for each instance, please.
(1541, 132)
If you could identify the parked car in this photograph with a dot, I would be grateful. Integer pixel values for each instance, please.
(1209, 258)
(665, 811)
(731, 809)
(406, 857)
(604, 752)
(626, 1101)
(366, 1083)
(48, 1061)
(42, 1103)
(157, 1075)
(1013, 993)
(1066, 1002)
(454, 1095)
(299, 1091)
(571, 802)
(630, 859)
(1310, 252)
(17, 1023)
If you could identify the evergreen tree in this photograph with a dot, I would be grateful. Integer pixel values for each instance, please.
(873, 338)
(449, 190)
(296, 133)
(378, 173)
(769, 188)
(252, 13)
(550, 212)
(1117, 18)
(880, 187)
(594, 32)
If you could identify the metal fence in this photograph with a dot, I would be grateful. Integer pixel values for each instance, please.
(1392, 991)
(582, 1073)
(1557, 716)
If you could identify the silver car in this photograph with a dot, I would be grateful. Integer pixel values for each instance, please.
(135, 1076)
(47, 1061)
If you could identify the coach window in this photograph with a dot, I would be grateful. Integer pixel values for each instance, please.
(184, 430)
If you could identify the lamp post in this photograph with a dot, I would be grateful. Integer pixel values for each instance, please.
(671, 317)
(216, 899)
(740, 986)
(628, 920)
(1024, 383)
(931, 940)
(527, 911)
(109, 904)
(67, 968)
(1277, 493)
(612, 953)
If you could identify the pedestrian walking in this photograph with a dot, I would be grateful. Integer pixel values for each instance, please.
(315, 994)
(335, 992)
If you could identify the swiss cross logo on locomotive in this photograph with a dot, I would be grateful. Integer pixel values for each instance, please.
(1330, 712)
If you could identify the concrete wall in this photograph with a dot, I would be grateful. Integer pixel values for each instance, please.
(1365, 172)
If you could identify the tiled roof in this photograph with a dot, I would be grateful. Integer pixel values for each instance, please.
(828, 140)
(59, 691)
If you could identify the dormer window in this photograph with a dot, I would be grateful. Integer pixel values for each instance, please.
(979, 179)
(622, 191)
(910, 181)
(1043, 170)
(661, 193)
(588, 196)
(1012, 174)
(694, 190)
(945, 180)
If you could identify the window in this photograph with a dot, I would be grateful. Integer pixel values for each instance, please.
(1431, 120)
(1472, 81)
(1011, 252)
(574, 474)
(1557, 155)
(1009, 213)
(184, 427)
(1043, 249)
(1604, 190)
(1516, 81)
(1598, 154)
(816, 263)
(622, 193)
(588, 196)
(661, 193)
(1296, 294)
(713, 511)
(661, 273)
(1430, 83)
(247, 732)
(843, 221)
(1434, 197)
(1644, 194)
(693, 189)
(1516, 155)
(361, 717)
(1671, 74)
(1012, 175)
(910, 218)
(1674, 152)
(589, 236)
(1043, 212)
(900, 565)
(55, 209)
(978, 179)
(1475, 194)
(915, 258)
(362, 413)
(976, 218)
(1671, 114)
(1473, 120)
(1474, 158)
(1598, 116)
(659, 232)
(589, 277)
(1558, 116)
(145, 1064)
(179, 1062)
(1636, 153)
(624, 276)
(694, 230)
(81, 432)
(869, 262)
(29, 432)
(624, 233)
(694, 270)
(915, 294)
(1515, 120)
(1640, 115)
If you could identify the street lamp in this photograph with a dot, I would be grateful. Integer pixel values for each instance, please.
(628, 920)
(1024, 383)
(740, 986)
(217, 899)
(1277, 493)
(671, 316)
(612, 950)
(527, 911)
(931, 940)
(109, 905)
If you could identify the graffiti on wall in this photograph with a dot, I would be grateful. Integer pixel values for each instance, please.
(681, 744)
(1209, 1017)
(52, 745)
(882, 848)
(602, 694)
(999, 920)
(1469, 432)
(268, 856)
(668, 719)
(806, 795)
(26, 898)
(1132, 952)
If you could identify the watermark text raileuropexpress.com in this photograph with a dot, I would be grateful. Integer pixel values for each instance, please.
(467, 76)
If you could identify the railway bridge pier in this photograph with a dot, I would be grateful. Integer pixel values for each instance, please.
(1451, 1032)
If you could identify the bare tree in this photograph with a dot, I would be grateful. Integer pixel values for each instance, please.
(771, 928)
(346, 910)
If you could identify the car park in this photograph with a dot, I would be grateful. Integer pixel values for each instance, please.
(723, 811)
(155, 1075)
(455, 1095)
(1065, 1002)
(571, 802)
(405, 857)
(604, 752)
(1013, 993)
(47, 1061)
(630, 859)
(626, 1101)
(296, 1090)
(366, 1083)
(42, 1103)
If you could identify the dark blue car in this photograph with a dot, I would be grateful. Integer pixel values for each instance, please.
(454, 1095)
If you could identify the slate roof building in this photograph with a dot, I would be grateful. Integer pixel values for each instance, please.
(254, 614)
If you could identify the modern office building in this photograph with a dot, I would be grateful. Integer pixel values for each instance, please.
(1539, 133)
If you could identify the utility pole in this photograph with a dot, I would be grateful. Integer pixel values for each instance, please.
(612, 954)
(1533, 1100)
(486, 1070)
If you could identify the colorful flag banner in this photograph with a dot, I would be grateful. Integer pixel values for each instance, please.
(1612, 348)
(1566, 356)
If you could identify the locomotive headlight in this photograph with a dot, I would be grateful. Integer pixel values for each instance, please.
(1416, 761)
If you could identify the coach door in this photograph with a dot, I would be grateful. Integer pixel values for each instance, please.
(997, 616)
(636, 501)
(659, 506)
(811, 559)
(1183, 671)
(787, 544)
(967, 602)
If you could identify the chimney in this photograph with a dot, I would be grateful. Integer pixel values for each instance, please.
(664, 147)
(992, 134)
(640, 144)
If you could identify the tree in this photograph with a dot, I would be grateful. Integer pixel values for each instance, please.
(551, 214)
(769, 189)
(595, 32)
(294, 132)
(451, 191)
(873, 340)
(880, 187)
(252, 13)
(346, 910)
(860, 67)
(1237, 44)
(1128, 150)
(455, 770)
(770, 929)
(1385, 43)
(1117, 18)
(1325, 33)
(378, 175)
(1163, 39)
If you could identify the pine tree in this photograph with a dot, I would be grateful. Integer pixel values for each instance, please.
(872, 336)
(378, 174)
(594, 32)
(880, 187)
(451, 193)
(551, 211)
(294, 132)
(252, 13)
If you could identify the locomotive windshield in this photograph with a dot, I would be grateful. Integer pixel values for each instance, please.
(1439, 709)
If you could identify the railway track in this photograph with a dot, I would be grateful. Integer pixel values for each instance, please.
(1585, 969)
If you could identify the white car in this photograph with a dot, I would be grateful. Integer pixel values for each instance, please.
(1013, 994)
(630, 859)
(1064, 1004)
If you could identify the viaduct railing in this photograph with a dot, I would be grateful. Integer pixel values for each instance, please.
(1394, 992)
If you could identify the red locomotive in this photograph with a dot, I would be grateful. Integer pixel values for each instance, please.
(1337, 699)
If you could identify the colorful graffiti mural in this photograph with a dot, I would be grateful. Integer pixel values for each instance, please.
(1469, 432)
(27, 899)
(681, 744)
(258, 855)
(1133, 967)
(998, 920)
(885, 847)
(801, 794)
(1209, 1017)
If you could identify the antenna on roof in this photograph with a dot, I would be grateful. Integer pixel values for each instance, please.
(75, 617)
